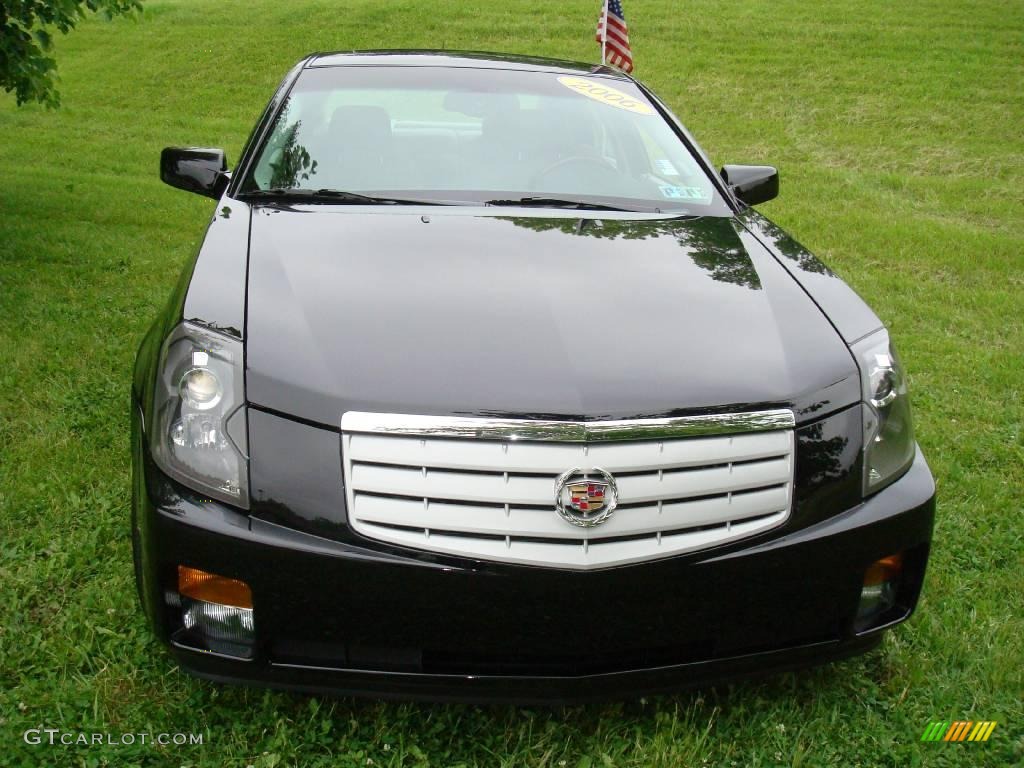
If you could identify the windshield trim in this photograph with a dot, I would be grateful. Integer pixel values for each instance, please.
(477, 199)
(677, 126)
(398, 57)
(258, 138)
(478, 211)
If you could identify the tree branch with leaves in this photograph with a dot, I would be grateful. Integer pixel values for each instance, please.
(27, 65)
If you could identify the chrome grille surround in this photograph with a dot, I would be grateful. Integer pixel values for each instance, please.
(481, 488)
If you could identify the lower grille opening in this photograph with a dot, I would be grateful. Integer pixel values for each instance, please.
(513, 663)
(563, 665)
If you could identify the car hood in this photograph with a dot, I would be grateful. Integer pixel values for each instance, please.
(455, 311)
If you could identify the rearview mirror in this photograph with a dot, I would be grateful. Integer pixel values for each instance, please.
(752, 184)
(203, 171)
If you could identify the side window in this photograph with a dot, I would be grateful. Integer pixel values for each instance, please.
(626, 146)
(286, 160)
(673, 168)
(658, 161)
(607, 146)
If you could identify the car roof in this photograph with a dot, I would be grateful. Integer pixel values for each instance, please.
(465, 59)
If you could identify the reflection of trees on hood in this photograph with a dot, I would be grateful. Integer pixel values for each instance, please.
(724, 258)
(789, 247)
(294, 163)
(710, 242)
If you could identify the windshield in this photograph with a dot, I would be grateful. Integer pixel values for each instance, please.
(480, 136)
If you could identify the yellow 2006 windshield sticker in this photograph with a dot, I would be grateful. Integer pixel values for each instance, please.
(605, 94)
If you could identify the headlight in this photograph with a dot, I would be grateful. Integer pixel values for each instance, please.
(199, 435)
(888, 430)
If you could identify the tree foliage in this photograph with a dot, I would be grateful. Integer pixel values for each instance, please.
(27, 66)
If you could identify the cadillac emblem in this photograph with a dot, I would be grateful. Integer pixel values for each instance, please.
(586, 499)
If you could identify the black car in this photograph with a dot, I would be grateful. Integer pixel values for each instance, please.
(483, 384)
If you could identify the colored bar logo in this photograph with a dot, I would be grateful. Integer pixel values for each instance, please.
(959, 730)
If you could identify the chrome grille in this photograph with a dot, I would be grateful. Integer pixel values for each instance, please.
(484, 488)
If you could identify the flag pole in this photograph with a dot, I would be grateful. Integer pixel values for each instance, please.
(604, 32)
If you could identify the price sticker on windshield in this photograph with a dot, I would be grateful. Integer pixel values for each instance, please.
(605, 94)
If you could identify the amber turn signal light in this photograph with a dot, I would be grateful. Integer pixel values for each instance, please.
(878, 593)
(211, 588)
(888, 569)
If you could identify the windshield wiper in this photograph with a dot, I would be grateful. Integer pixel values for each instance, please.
(338, 196)
(556, 202)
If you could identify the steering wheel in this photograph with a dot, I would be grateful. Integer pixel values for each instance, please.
(592, 162)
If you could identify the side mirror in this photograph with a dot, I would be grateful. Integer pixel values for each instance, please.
(752, 184)
(203, 171)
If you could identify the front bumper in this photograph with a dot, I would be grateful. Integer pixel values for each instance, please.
(339, 617)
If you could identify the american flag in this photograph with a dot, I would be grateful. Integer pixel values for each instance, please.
(614, 36)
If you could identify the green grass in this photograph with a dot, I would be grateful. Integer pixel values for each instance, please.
(898, 131)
